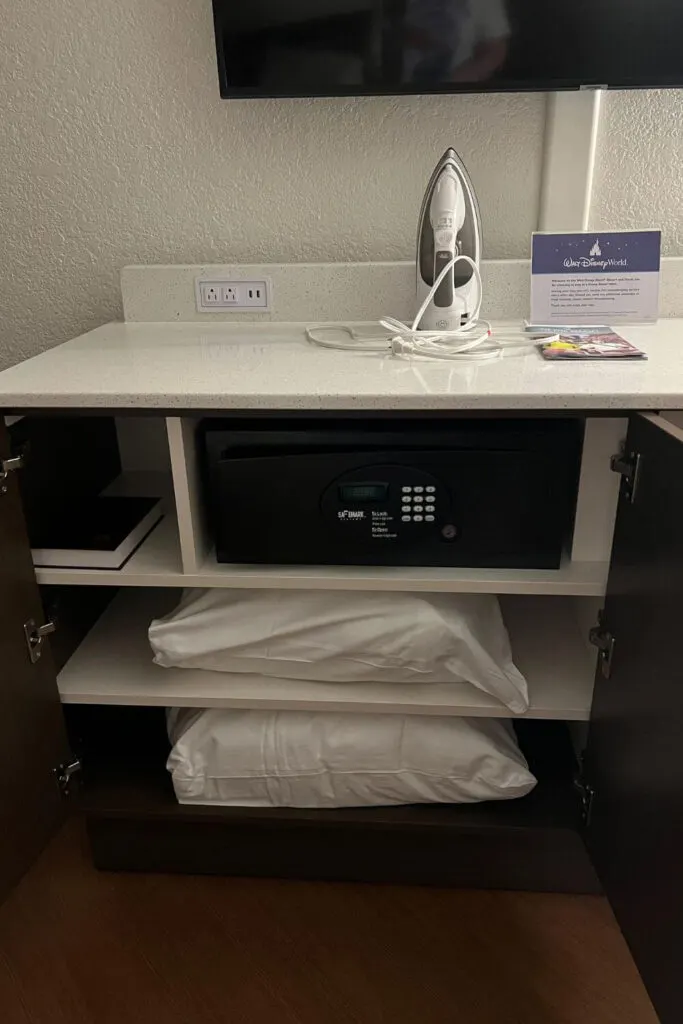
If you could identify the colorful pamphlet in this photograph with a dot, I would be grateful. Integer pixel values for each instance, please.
(587, 344)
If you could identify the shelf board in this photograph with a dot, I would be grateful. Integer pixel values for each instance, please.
(587, 579)
(157, 563)
(114, 665)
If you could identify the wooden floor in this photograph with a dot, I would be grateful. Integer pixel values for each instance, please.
(78, 947)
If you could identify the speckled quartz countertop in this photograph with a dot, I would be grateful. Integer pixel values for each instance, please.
(192, 366)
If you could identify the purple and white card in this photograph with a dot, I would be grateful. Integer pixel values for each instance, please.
(595, 277)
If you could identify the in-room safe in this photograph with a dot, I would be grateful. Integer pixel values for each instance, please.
(493, 493)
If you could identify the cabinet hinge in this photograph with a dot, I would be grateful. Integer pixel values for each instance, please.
(627, 464)
(605, 641)
(64, 774)
(586, 797)
(34, 636)
(8, 466)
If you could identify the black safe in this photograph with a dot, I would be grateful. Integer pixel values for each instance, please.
(493, 493)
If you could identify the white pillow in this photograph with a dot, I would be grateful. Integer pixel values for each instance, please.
(333, 636)
(321, 759)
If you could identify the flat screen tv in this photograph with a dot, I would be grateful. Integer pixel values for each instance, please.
(389, 47)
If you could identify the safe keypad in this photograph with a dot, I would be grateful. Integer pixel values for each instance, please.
(418, 504)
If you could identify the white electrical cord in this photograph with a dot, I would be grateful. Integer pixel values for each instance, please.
(471, 341)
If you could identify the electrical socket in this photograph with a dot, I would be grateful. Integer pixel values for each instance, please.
(225, 295)
(255, 293)
(210, 295)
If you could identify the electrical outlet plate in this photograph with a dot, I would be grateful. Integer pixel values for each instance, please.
(226, 295)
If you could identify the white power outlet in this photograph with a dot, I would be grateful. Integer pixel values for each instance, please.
(211, 295)
(237, 296)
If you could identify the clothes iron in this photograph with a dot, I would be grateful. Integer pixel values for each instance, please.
(447, 322)
(449, 225)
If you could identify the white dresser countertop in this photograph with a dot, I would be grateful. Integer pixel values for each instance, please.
(193, 366)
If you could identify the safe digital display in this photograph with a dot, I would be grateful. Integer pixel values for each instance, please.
(360, 493)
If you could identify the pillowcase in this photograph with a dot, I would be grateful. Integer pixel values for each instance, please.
(338, 636)
(321, 759)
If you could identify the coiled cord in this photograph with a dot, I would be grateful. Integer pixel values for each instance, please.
(471, 341)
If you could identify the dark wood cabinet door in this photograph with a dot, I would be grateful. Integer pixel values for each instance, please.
(634, 757)
(32, 735)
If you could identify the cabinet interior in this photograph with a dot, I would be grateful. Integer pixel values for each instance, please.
(134, 822)
(108, 683)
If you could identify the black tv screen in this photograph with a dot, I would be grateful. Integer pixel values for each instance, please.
(375, 47)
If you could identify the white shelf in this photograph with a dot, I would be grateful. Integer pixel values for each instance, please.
(157, 563)
(584, 579)
(156, 560)
(114, 666)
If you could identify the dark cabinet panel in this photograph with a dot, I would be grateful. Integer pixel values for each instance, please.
(32, 735)
(634, 758)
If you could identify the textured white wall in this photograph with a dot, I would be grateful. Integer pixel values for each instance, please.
(639, 165)
(115, 148)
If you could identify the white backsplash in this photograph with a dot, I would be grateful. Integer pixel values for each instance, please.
(312, 291)
(309, 292)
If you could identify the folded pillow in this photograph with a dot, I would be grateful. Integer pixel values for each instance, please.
(338, 636)
(321, 759)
